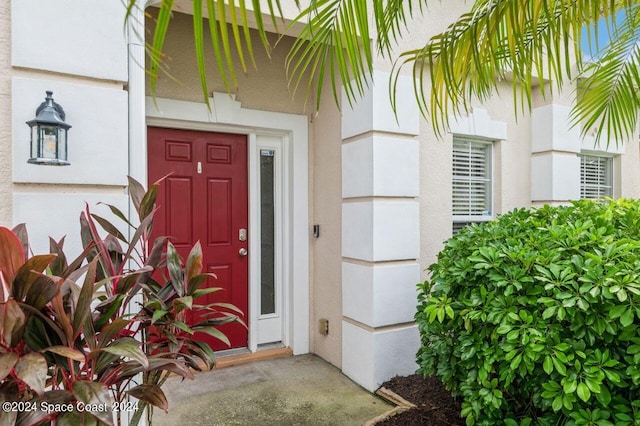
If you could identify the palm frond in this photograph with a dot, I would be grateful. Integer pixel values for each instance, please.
(391, 18)
(529, 43)
(533, 44)
(335, 40)
(229, 32)
(155, 49)
(198, 37)
(608, 102)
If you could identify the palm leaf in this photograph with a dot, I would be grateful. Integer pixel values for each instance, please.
(229, 32)
(334, 40)
(608, 100)
(532, 44)
(198, 37)
(159, 36)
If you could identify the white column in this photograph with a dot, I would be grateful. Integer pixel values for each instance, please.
(380, 234)
(555, 165)
(137, 136)
(137, 99)
(76, 49)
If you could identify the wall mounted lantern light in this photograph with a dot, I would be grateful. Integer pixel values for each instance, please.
(49, 134)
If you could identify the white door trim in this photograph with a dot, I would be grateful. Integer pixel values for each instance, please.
(227, 115)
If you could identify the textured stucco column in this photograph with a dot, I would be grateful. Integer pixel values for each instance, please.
(555, 165)
(6, 184)
(84, 62)
(380, 234)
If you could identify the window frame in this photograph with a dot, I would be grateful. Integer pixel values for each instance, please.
(612, 186)
(468, 219)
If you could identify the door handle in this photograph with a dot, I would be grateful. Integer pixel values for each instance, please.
(243, 252)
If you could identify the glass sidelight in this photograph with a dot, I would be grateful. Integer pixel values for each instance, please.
(267, 232)
(270, 215)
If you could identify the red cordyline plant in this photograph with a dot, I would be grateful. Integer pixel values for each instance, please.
(83, 341)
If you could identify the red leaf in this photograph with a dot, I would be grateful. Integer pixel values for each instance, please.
(7, 361)
(194, 262)
(25, 276)
(11, 256)
(151, 394)
(94, 393)
(32, 369)
(21, 232)
(12, 320)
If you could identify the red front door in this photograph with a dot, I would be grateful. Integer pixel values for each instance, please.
(205, 199)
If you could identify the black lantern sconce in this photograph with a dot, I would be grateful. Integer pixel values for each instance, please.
(49, 134)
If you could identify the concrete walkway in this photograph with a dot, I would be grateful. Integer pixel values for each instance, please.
(299, 390)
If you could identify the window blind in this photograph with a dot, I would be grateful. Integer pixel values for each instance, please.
(596, 177)
(471, 178)
(458, 226)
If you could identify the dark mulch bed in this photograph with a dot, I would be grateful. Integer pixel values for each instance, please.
(435, 405)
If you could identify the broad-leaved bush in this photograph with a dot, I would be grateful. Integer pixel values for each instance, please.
(533, 318)
(84, 340)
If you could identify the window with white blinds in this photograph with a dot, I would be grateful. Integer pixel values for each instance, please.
(472, 195)
(596, 176)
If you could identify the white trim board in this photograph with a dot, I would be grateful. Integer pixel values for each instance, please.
(227, 115)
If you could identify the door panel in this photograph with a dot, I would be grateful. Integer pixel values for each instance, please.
(219, 210)
(205, 199)
(178, 205)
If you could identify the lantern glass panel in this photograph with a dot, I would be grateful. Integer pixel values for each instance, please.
(62, 144)
(34, 142)
(49, 141)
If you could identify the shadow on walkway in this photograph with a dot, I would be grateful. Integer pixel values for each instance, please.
(300, 390)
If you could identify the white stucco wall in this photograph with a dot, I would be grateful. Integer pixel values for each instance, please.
(98, 148)
(74, 37)
(6, 185)
(380, 234)
(63, 206)
(627, 171)
(84, 62)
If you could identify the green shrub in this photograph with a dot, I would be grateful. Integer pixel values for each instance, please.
(533, 318)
